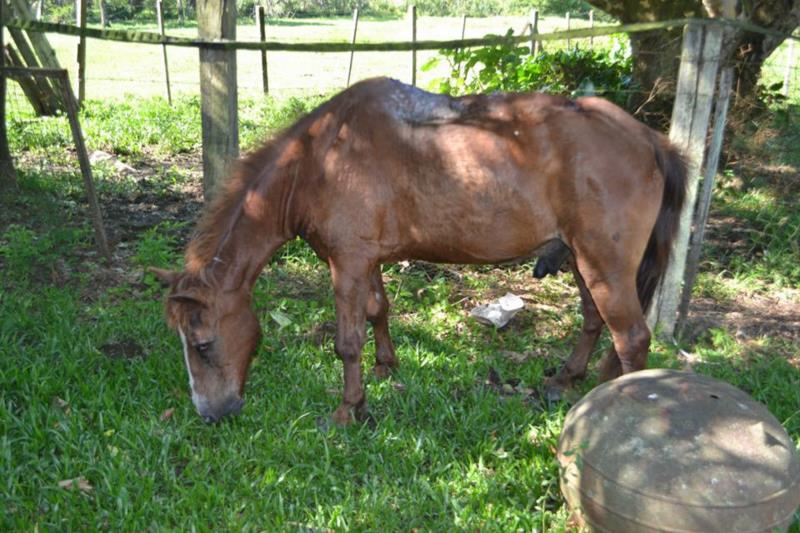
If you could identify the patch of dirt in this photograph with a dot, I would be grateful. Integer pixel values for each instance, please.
(748, 316)
(124, 349)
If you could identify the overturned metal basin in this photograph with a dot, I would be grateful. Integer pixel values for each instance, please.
(663, 450)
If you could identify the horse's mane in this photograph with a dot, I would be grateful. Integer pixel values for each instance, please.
(220, 216)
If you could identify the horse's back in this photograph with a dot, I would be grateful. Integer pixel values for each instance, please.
(481, 178)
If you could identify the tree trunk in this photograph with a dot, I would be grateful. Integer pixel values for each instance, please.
(656, 53)
(8, 176)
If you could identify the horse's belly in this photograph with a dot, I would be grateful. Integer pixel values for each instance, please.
(491, 238)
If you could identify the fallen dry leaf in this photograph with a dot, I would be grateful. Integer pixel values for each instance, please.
(79, 482)
(166, 415)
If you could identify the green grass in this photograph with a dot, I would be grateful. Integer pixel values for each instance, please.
(88, 368)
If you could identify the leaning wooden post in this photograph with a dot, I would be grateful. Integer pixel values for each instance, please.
(412, 15)
(80, 15)
(262, 32)
(353, 45)
(86, 167)
(690, 116)
(534, 31)
(216, 19)
(591, 25)
(160, 14)
(706, 190)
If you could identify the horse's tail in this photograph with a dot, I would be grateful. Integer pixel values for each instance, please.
(672, 165)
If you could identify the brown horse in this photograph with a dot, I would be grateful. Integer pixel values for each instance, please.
(384, 172)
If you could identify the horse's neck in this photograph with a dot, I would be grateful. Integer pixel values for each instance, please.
(258, 230)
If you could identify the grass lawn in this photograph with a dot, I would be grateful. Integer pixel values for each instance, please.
(96, 426)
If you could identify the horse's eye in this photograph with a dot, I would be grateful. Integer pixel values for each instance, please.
(202, 347)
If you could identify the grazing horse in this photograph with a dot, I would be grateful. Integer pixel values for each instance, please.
(384, 172)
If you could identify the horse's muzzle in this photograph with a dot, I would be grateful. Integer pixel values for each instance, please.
(230, 408)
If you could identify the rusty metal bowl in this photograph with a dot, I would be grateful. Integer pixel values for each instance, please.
(663, 450)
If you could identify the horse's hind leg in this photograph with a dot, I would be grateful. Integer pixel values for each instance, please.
(615, 296)
(378, 316)
(351, 288)
(575, 367)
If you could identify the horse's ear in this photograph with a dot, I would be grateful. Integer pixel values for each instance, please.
(168, 278)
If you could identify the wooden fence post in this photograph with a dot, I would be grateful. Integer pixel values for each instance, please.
(569, 41)
(787, 73)
(706, 190)
(80, 15)
(101, 5)
(463, 26)
(160, 14)
(86, 167)
(534, 31)
(591, 25)
(412, 15)
(216, 19)
(353, 42)
(690, 116)
(262, 32)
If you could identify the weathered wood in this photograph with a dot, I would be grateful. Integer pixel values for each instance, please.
(353, 45)
(569, 41)
(181, 11)
(412, 15)
(262, 32)
(217, 20)
(160, 15)
(463, 26)
(80, 15)
(28, 83)
(8, 175)
(591, 25)
(690, 118)
(39, 9)
(44, 52)
(788, 69)
(534, 31)
(706, 190)
(101, 5)
(49, 99)
(86, 168)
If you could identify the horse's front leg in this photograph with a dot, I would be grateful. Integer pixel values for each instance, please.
(351, 287)
(378, 316)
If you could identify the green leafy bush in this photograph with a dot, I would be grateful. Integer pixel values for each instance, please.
(510, 67)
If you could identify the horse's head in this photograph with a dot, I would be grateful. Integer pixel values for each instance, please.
(219, 332)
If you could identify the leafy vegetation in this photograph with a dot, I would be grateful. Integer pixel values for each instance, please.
(511, 67)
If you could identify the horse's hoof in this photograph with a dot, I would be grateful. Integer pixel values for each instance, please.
(382, 371)
(555, 388)
(346, 414)
(554, 394)
(343, 415)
